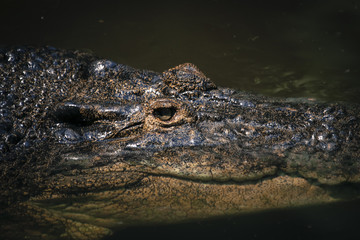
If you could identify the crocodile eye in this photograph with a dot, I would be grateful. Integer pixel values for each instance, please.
(164, 113)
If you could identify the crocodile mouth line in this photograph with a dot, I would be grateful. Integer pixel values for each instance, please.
(346, 190)
(49, 196)
(340, 192)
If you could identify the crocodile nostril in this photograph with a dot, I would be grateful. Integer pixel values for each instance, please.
(164, 114)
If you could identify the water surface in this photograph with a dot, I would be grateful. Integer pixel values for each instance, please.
(277, 48)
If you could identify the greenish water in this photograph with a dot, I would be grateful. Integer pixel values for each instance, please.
(278, 48)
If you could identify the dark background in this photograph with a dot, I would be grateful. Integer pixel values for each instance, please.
(278, 48)
(289, 48)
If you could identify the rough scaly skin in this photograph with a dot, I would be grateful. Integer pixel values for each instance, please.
(88, 146)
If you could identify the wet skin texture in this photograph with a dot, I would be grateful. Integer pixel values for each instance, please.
(88, 146)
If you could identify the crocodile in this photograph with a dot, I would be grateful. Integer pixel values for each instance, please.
(89, 146)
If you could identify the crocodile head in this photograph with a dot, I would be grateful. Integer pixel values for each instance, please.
(106, 145)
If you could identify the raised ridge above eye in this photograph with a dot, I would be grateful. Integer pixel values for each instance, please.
(187, 77)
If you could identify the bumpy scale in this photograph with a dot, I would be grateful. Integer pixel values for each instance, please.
(89, 146)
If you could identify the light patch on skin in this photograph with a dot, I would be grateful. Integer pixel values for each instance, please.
(159, 199)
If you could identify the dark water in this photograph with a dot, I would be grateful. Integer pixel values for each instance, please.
(278, 48)
(333, 221)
